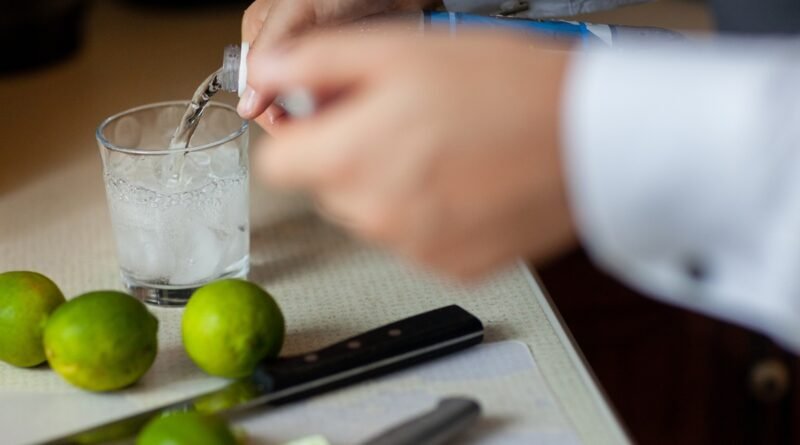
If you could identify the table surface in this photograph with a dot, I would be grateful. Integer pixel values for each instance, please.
(53, 215)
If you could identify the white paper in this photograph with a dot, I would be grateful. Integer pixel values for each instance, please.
(502, 376)
(487, 373)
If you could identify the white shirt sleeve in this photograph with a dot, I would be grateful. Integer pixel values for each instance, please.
(683, 163)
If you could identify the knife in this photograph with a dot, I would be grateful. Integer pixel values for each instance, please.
(439, 426)
(382, 350)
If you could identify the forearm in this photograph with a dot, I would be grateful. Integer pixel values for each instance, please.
(684, 169)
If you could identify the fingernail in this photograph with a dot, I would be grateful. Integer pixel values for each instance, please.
(275, 112)
(247, 103)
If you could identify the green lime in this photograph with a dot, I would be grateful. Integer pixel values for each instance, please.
(26, 301)
(186, 428)
(110, 433)
(229, 326)
(101, 340)
(233, 395)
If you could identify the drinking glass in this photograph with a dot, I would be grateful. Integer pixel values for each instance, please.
(179, 216)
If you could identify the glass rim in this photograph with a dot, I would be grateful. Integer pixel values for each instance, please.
(166, 151)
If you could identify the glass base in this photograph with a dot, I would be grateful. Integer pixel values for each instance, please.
(165, 295)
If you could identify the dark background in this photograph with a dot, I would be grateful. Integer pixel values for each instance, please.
(673, 376)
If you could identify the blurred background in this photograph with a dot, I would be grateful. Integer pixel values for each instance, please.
(674, 377)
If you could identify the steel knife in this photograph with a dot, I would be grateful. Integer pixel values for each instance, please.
(376, 352)
(439, 426)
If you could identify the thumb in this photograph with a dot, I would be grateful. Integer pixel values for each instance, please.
(284, 19)
(267, 24)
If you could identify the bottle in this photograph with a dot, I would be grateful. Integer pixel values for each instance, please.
(585, 33)
(299, 103)
(233, 76)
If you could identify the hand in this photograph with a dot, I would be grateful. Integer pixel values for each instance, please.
(268, 23)
(446, 151)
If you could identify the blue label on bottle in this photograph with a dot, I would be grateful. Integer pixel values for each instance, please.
(453, 21)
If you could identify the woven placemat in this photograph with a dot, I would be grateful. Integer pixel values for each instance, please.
(329, 285)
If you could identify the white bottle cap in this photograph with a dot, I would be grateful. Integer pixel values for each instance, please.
(243, 67)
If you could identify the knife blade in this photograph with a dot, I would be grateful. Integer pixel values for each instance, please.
(376, 352)
(438, 426)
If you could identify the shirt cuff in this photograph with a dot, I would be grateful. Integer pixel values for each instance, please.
(683, 175)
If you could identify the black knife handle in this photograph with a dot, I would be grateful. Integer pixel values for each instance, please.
(379, 351)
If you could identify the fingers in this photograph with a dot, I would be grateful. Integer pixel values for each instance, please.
(272, 122)
(324, 63)
(275, 113)
(253, 19)
(266, 23)
(314, 153)
(285, 19)
(252, 103)
(269, 24)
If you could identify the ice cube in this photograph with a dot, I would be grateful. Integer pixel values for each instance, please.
(236, 246)
(198, 251)
(195, 171)
(235, 207)
(166, 170)
(141, 250)
(225, 161)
